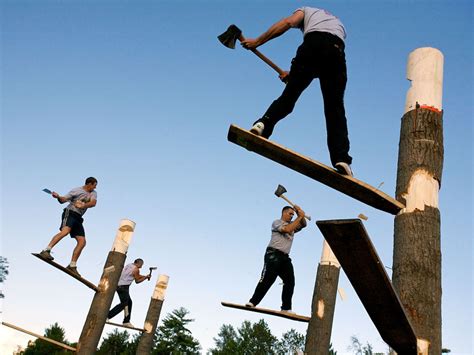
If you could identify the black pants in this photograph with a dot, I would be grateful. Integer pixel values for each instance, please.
(124, 305)
(320, 56)
(276, 264)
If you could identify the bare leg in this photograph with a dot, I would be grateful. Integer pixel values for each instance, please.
(81, 243)
(64, 231)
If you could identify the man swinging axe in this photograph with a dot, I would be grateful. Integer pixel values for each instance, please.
(321, 55)
(130, 273)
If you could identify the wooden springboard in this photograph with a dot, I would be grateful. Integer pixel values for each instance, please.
(124, 326)
(70, 273)
(272, 312)
(355, 252)
(315, 170)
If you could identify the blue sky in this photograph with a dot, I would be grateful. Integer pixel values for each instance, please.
(140, 95)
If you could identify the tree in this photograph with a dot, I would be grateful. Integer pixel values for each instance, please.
(227, 341)
(256, 339)
(3, 272)
(360, 349)
(173, 337)
(290, 343)
(331, 350)
(42, 347)
(116, 343)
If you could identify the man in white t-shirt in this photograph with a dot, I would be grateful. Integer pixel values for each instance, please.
(80, 199)
(321, 55)
(130, 273)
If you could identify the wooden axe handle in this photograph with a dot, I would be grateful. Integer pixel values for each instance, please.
(264, 58)
(293, 205)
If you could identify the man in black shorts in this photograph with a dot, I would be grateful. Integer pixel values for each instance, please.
(80, 199)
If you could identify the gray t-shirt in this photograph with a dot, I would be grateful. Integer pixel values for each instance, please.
(126, 277)
(79, 194)
(279, 240)
(321, 20)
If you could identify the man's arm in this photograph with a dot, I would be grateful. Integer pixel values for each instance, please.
(61, 199)
(139, 278)
(277, 29)
(296, 225)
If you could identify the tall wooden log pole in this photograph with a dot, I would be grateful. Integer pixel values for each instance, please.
(318, 335)
(152, 316)
(95, 321)
(417, 249)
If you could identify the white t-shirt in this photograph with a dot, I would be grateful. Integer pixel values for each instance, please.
(322, 21)
(126, 277)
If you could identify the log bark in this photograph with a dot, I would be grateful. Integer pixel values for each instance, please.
(318, 336)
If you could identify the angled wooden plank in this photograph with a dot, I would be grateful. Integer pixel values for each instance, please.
(70, 273)
(353, 248)
(272, 312)
(57, 343)
(346, 184)
(124, 326)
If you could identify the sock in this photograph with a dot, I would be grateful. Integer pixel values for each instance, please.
(72, 264)
(48, 248)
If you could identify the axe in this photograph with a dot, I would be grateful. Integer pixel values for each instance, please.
(233, 33)
(151, 269)
(279, 193)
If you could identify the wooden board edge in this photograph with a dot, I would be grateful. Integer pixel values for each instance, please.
(272, 312)
(66, 271)
(124, 326)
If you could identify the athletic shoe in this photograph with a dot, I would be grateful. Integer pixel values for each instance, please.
(343, 168)
(73, 269)
(249, 304)
(46, 254)
(128, 324)
(289, 311)
(257, 128)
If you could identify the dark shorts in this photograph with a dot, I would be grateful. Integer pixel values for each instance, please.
(74, 221)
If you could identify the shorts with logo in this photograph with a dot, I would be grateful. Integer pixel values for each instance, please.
(74, 221)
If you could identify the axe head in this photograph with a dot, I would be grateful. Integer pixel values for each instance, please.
(153, 268)
(229, 37)
(280, 190)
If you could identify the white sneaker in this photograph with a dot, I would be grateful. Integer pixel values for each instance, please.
(249, 304)
(128, 325)
(257, 128)
(289, 311)
(343, 168)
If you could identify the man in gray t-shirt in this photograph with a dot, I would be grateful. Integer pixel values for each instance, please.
(321, 55)
(80, 199)
(277, 261)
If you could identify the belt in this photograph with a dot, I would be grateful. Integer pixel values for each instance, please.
(273, 250)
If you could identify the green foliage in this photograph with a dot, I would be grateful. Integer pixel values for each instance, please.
(3, 271)
(331, 350)
(172, 337)
(116, 343)
(359, 349)
(255, 339)
(41, 347)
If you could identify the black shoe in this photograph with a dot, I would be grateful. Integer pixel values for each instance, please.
(262, 127)
(46, 254)
(73, 269)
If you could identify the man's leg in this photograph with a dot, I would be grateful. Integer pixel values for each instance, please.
(123, 296)
(46, 252)
(128, 310)
(288, 276)
(81, 243)
(333, 84)
(299, 79)
(268, 277)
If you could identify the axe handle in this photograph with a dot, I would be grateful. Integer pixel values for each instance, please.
(293, 205)
(264, 58)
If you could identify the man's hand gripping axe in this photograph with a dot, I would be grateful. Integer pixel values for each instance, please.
(233, 33)
(279, 193)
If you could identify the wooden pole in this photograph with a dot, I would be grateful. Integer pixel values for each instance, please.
(318, 336)
(153, 315)
(95, 321)
(417, 249)
(67, 347)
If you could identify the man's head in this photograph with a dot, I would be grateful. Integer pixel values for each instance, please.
(90, 184)
(138, 263)
(287, 213)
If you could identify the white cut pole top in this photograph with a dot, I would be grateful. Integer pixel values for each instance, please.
(328, 257)
(160, 287)
(124, 236)
(425, 71)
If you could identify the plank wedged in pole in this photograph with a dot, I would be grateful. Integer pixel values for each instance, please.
(354, 250)
(124, 326)
(70, 273)
(272, 312)
(315, 170)
(57, 343)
